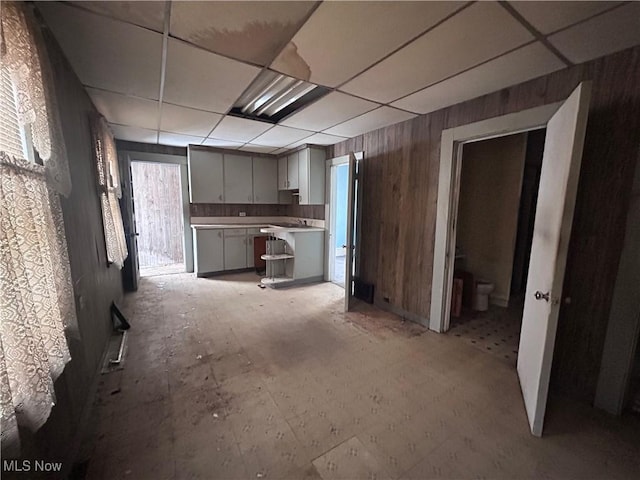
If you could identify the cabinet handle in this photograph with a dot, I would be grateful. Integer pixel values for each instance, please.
(219, 197)
(249, 197)
(219, 234)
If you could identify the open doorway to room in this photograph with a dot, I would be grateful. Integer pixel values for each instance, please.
(338, 229)
(158, 211)
(499, 183)
(338, 206)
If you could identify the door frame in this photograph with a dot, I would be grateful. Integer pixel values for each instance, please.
(330, 198)
(133, 156)
(451, 144)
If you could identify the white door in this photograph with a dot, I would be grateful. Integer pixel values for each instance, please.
(352, 215)
(554, 216)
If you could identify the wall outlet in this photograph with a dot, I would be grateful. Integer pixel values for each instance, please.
(243, 214)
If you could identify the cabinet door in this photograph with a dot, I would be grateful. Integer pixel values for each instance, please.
(251, 232)
(303, 176)
(206, 184)
(265, 180)
(292, 171)
(317, 173)
(282, 173)
(238, 179)
(235, 249)
(209, 251)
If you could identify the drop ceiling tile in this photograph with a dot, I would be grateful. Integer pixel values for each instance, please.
(145, 14)
(280, 150)
(549, 17)
(134, 134)
(125, 110)
(280, 136)
(318, 139)
(240, 129)
(328, 111)
(200, 79)
(250, 31)
(177, 140)
(356, 34)
(370, 121)
(516, 67)
(476, 34)
(216, 142)
(257, 148)
(187, 121)
(106, 53)
(602, 35)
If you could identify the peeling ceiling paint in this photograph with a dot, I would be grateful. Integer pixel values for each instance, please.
(293, 64)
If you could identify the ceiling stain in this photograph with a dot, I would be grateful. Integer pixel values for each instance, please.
(257, 42)
(290, 62)
(249, 31)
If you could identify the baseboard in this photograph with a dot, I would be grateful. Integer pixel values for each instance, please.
(382, 305)
(300, 281)
(85, 416)
(224, 272)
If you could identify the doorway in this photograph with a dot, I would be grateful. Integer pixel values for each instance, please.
(159, 219)
(499, 182)
(566, 127)
(339, 204)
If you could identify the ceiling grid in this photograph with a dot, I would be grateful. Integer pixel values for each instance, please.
(171, 71)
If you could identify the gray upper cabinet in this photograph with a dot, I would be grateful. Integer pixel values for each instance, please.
(265, 180)
(311, 165)
(288, 172)
(282, 173)
(206, 183)
(292, 171)
(238, 179)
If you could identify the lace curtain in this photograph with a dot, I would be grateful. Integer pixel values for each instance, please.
(21, 42)
(36, 293)
(106, 158)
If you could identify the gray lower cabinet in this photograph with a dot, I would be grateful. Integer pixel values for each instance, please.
(235, 249)
(209, 250)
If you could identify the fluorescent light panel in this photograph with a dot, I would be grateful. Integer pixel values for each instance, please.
(273, 96)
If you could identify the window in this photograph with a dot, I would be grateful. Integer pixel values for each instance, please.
(37, 305)
(15, 139)
(106, 158)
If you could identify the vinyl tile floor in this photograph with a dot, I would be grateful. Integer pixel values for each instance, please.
(224, 380)
(496, 331)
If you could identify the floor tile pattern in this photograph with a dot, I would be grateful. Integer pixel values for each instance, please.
(224, 380)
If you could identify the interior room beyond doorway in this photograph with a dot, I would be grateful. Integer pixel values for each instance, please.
(496, 211)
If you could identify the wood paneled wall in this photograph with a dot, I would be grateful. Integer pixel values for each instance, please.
(400, 179)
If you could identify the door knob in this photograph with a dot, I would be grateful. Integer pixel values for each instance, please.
(541, 296)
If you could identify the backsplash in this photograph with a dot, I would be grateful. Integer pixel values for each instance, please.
(256, 210)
